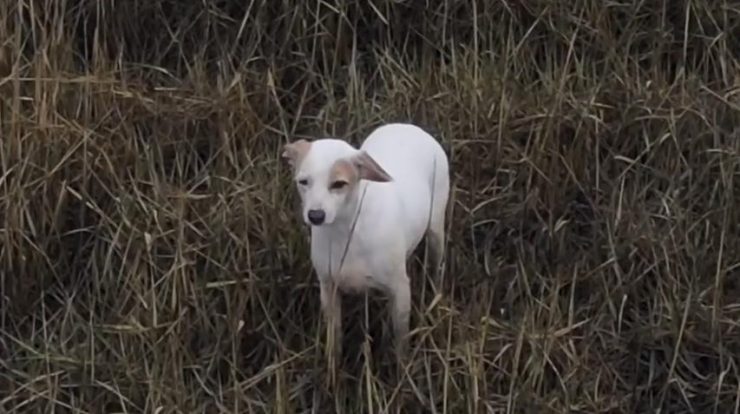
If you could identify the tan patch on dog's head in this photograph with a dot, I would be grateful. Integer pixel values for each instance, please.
(295, 151)
(347, 172)
(343, 174)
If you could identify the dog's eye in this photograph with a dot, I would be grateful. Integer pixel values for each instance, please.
(303, 181)
(338, 185)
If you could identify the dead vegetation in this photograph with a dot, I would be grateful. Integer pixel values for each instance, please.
(151, 259)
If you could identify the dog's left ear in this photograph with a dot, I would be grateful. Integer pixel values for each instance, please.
(294, 152)
(369, 169)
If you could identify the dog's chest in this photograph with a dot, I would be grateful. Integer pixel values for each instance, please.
(350, 271)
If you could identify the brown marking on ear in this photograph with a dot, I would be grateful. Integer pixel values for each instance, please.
(343, 170)
(369, 169)
(295, 151)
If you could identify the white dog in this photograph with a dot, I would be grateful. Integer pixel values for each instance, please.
(368, 209)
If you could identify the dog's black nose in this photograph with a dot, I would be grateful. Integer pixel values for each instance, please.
(316, 217)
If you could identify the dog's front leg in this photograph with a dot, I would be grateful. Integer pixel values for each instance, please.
(401, 310)
(331, 305)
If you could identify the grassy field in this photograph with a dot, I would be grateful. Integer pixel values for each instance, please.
(152, 258)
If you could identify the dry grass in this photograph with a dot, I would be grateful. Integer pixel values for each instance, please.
(151, 259)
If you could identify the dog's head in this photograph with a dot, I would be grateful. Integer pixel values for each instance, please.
(327, 173)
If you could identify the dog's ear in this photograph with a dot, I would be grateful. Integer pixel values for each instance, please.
(294, 152)
(369, 169)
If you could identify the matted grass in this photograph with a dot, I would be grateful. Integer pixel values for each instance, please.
(152, 260)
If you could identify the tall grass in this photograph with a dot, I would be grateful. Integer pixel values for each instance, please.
(151, 257)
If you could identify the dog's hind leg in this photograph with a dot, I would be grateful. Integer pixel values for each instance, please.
(435, 236)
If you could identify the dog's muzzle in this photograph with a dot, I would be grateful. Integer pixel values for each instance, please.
(316, 217)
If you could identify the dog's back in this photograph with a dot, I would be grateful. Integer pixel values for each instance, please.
(420, 171)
